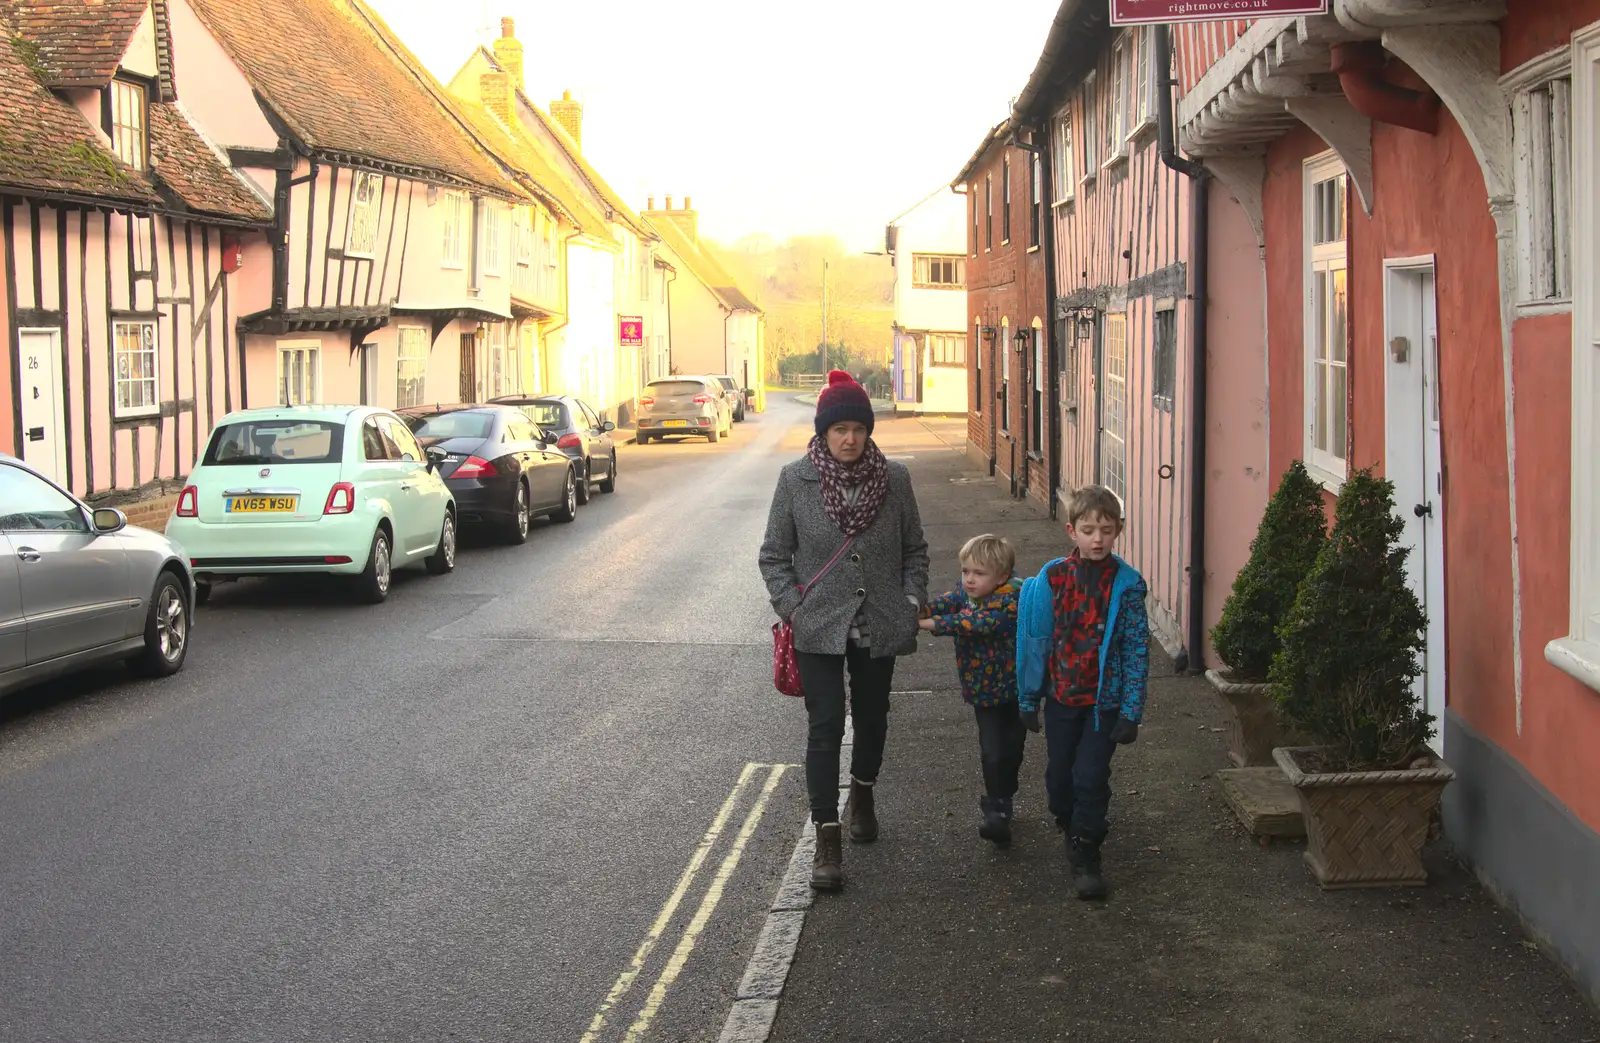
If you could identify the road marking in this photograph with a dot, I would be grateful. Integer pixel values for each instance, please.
(708, 905)
(629, 975)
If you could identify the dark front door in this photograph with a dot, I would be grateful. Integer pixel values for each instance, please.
(469, 368)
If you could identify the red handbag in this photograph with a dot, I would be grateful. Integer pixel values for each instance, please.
(785, 668)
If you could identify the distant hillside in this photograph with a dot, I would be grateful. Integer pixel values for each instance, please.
(786, 280)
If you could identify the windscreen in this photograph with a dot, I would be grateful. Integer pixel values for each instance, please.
(276, 442)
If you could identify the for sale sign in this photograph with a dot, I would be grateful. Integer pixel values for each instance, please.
(1149, 12)
(630, 331)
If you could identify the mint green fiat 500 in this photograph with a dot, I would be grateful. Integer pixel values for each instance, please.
(292, 489)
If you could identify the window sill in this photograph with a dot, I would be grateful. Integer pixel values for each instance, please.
(454, 266)
(1329, 480)
(1529, 309)
(1577, 658)
(1037, 458)
(137, 414)
(1033, 249)
(1089, 178)
(1120, 159)
(1066, 200)
(1145, 130)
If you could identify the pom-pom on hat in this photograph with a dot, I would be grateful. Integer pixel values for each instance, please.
(843, 399)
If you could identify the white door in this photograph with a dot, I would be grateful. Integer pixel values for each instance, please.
(1413, 458)
(44, 443)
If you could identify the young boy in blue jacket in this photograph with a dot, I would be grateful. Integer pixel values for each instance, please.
(982, 617)
(1083, 650)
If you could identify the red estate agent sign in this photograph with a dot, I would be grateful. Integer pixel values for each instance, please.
(1150, 12)
(630, 331)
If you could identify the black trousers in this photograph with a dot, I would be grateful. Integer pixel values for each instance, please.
(1078, 776)
(823, 677)
(1000, 742)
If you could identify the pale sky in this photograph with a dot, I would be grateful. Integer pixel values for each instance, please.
(826, 117)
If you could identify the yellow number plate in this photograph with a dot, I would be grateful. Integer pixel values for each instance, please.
(676, 423)
(261, 504)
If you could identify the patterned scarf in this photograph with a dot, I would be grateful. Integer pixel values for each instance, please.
(868, 475)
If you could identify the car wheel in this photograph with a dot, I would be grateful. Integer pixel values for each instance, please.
(443, 558)
(569, 500)
(609, 485)
(372, 586)
(166, 630)
(641, 439)
(521, 517)
(714, 436)
(202, 593)
(583, 484)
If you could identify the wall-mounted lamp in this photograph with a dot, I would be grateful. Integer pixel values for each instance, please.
(989, 333)
(1022, 338)
(479, 333)
(1085, 328)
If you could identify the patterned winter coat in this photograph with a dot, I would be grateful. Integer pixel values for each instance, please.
(986, 642)
(1124, 651)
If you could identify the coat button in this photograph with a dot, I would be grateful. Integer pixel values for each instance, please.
(855, 557)
(861, 593)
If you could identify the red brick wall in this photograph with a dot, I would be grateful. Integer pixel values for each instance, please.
(1007, 282)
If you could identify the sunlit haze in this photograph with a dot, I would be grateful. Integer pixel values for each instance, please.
(824, 118)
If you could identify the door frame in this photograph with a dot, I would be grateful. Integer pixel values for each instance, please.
(62, 413)
(1398, 273)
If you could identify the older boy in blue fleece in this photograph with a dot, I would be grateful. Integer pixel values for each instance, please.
(1083, 649)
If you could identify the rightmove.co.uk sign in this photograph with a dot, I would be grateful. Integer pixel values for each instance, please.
(1150, 12)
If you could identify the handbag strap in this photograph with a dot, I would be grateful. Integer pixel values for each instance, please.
(836, 555)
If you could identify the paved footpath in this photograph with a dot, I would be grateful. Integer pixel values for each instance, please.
(1207, 937)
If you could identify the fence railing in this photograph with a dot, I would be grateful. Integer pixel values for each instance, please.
(810, 380)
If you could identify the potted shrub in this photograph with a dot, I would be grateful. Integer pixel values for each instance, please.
(1293, 530)
(1349, 655)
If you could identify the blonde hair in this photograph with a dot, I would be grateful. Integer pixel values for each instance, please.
(1094, 499)
(991, 552)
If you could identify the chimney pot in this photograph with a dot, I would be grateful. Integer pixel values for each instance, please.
(688, 204)
(508, 54)
(669, 202)
(508, 28)
(650, 203)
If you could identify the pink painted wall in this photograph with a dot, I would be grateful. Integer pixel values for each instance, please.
(215, 93)
(1237, 484)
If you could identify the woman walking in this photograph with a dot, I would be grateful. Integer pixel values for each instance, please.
(845, 562)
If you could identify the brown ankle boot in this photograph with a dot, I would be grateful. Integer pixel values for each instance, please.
(827, 872)
(859, 812)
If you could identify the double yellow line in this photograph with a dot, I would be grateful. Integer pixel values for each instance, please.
(702, 915)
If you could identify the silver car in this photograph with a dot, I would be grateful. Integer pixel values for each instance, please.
(80, 586)
(674, 406)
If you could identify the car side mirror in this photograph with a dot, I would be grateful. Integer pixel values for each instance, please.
(435, 456)
(108, 520)
(608, 426)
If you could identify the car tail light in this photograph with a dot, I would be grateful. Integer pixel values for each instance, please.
(703, 421)
(189, 503)
(647, 401)
(701, 400)
(336, 559)
(341, 499)
(569, 442)
(474, 467)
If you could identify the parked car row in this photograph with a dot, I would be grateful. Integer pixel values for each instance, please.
(345, 490)
(690, 406)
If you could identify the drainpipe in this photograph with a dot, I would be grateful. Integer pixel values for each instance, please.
(672, 277)
(1193, 657)
(1359, 67)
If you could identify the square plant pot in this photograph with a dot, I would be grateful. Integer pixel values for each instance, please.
(1366, 828)
(1253, 729)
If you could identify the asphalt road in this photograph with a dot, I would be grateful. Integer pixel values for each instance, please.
(456, 816)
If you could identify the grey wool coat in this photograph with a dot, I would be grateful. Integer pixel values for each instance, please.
(886, 567)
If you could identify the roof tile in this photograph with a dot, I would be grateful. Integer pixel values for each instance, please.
(81, 42)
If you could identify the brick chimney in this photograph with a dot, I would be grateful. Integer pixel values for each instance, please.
(686, 220)
(495, 89)
(508, 52)
(569, 114)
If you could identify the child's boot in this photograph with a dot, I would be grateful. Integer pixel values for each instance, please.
(860, 813)
(996, 826)
(1084, 858)
(827, 871)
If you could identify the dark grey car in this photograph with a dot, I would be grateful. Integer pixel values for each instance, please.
(80, 586)
(581, 433)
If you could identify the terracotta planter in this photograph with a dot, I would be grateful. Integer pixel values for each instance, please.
(1366, 828)
(1253, 731)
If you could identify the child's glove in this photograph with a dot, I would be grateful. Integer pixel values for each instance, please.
(1029, 718)
(1124, 732)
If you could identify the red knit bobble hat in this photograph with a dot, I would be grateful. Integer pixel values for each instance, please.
(843, 399)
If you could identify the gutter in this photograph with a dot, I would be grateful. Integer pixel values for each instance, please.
(1193, 657)
(1037, 151)
(1359, 67)
(1055, 350)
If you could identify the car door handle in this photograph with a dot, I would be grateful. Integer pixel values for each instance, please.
(28, 554)
(405, 486)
